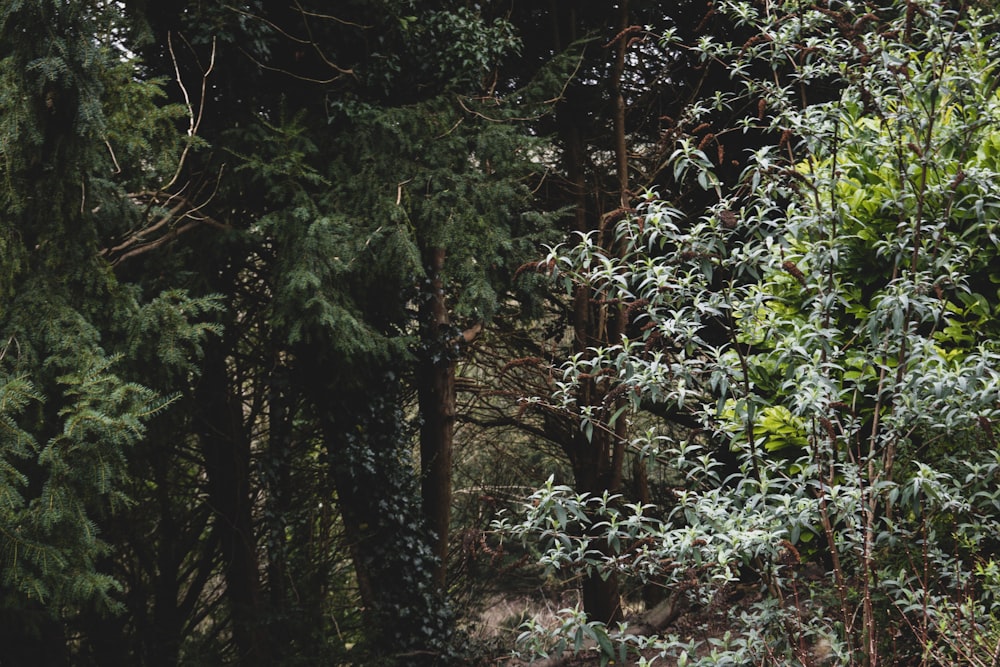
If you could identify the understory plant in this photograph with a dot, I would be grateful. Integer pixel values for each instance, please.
(829, 324)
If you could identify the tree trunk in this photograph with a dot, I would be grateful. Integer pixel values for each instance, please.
(598, 460)
(277, 476)
(226, 450)
(350, 502)
(592, 462)
(167, 621)
(593, 473)
(436, 392)
(369, 449)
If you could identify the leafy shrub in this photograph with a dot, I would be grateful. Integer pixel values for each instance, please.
(829, 322)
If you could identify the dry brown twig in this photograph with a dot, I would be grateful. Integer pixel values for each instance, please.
(177, 211)
(309, 40)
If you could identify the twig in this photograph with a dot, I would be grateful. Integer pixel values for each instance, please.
(281, 70)
(182, 208)
(315, 45)
(180, 82)
(12, 339)
(195, 121)
(333, 18)
(114, 159)
(270, 23)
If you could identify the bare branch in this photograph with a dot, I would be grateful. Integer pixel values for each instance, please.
(315, 45)
(181, 208)
(280, 70)
(274, 26)
(204, 87)
(331, 18)
(194, 120)
(152, 245)
(310, 41)
(180, 82)
(114, 159)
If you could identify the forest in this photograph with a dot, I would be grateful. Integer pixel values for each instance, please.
(390, 333)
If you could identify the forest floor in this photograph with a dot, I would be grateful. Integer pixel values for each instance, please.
(500, 620)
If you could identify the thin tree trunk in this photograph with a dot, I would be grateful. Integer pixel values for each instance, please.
(592, 464)
(278, 475)
(436, 392)
(350, 502)
(597, 461)
(226, 450)
(167, 621)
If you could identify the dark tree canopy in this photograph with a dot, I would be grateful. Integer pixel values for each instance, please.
(296, 297)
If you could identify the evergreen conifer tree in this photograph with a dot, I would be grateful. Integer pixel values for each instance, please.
(71, 403)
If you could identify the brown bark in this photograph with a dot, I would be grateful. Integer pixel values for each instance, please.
(436, 392)
(621, 152)
(592, 465)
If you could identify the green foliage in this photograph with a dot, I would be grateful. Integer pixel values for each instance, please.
(458, 47)
(141, 129)
(830, 321)
(453, 48)
(57, 474)
(451, 180)
(378, 491)
(344, 210)
(77, 128)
